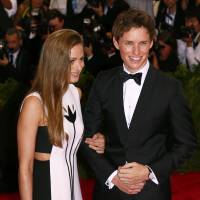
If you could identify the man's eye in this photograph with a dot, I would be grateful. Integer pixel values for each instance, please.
(144, 43)
(128, 43)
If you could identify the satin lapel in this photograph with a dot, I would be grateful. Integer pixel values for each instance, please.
(119, 110)
(144, 100)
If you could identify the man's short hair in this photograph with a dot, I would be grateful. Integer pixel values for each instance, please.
(133, 18)
(193, 13)
(12, 31)
(54, 13)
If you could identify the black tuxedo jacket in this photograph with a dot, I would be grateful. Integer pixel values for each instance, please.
(23, 69)
(160, 135)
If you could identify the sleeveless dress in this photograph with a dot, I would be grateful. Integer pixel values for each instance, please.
(57, 179)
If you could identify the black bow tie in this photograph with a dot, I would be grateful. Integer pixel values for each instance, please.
(137, 77)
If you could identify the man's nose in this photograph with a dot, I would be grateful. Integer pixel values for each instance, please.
(136, 49)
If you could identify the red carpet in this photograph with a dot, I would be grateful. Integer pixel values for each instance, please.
(184, 187)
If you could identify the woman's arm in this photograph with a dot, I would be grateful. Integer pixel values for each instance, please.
(26, 133)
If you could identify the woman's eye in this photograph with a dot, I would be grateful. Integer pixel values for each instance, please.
(72, 61)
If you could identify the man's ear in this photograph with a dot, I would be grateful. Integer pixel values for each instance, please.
(151, 44)
(115, 42)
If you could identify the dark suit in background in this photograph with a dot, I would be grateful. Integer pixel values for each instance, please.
(108, 18)
(21, 70)
(16, 61)
(5, 21)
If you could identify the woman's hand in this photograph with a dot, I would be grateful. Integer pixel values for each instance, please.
(96, 142)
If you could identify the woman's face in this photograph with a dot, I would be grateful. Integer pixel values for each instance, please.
(77, 62)
(165, 50)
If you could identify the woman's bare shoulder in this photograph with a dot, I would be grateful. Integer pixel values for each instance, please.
(32, 108)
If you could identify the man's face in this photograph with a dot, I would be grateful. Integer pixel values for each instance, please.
(13, 42)
(195, 24)
(134, 48)
(36, 3)
(56, 24)
(170, 3)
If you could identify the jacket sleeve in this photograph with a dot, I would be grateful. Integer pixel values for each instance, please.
(183, 136)
(92, 121)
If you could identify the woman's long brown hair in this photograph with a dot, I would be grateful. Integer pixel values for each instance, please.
(52, 79)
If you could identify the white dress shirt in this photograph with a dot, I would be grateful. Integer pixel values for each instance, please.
(11, 12)
(191, 54)
(131, 93)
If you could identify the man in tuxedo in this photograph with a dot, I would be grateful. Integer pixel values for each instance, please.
(16, 62)
(144, 116)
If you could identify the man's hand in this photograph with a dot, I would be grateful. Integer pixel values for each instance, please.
(88, 50)
(4, 61)
(133, 173)
(97, 9)
(97, 142)
(188, 41)
(127, 188)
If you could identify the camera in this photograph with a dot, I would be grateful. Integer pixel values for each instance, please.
(186, 32)
(93, 31)
(95, 34)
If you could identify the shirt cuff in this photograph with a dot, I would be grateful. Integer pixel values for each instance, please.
(152, 176)
(109, 180)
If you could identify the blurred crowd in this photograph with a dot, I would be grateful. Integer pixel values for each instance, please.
(25, 24)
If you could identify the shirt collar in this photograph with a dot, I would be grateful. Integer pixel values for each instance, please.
(197, 37)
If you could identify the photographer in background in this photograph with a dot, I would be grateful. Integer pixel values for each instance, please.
(107, 11)
(31, 18)
(189, 43)
(170, 16)
(55, 20)
(164, 52)
(15, 60)
(100, 52)
(94, 37)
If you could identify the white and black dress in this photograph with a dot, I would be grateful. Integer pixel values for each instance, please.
(57, 178)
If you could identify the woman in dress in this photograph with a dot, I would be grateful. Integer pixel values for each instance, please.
(50, 125)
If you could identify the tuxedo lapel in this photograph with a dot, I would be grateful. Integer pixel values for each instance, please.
(143, 104)
(119, 109)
